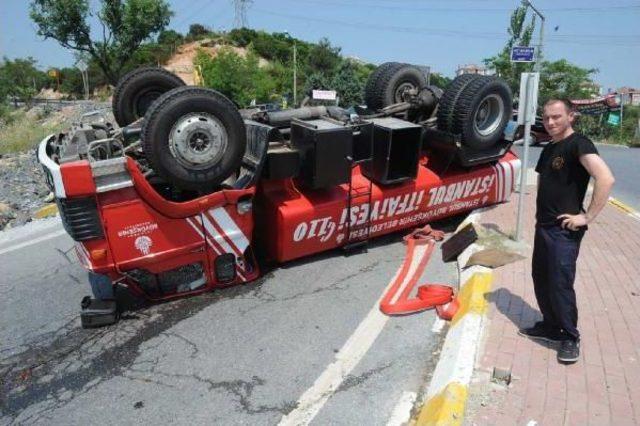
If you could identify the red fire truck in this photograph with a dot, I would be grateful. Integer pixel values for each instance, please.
(191, 193)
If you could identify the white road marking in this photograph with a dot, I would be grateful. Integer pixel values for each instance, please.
(438, 324)
(32, 242)
(401, 413)
(347, 358)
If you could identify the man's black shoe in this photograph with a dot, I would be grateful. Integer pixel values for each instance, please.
(569, 351)
(540, 332)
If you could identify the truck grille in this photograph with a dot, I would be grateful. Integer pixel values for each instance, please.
(80, 218)
(178, 280)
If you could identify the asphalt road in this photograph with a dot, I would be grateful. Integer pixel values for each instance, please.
(624, 163)
(243, 355)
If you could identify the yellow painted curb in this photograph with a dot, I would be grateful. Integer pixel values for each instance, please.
(46, 211)
(446, 408)
(472, 296)
(622, 206)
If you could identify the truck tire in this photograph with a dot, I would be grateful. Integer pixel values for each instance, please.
(482, 111)
(194, 137)
(448, 101)
(370, 88)
(392, 82)
(137, 90)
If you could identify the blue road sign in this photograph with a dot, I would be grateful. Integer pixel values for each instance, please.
(522, 54)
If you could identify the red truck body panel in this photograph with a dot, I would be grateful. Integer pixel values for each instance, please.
(301, 222)
(145, 232)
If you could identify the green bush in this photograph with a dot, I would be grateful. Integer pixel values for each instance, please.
(239, 78)
(597, 128)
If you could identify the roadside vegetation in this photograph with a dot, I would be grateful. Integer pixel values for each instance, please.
(628, 133)
(21, 131)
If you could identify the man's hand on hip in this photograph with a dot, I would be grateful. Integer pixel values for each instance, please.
(573, 221)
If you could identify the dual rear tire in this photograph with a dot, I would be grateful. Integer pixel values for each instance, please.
(474, 106)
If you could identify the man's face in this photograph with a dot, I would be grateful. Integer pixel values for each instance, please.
(557, 120)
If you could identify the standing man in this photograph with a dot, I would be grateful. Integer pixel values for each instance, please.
(565, 166)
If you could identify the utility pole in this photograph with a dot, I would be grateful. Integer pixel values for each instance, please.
(295, 69)
(527, 123)
(538, 63)
(295, 76)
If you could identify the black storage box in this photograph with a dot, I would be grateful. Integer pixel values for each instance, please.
(97, 313)
(396, 151)
(362, 141)
(282, 162)
(325, 148)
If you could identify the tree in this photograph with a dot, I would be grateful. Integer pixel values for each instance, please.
(323, 58)
(558, 79)
(348, 85)
(71, 82)
(240, 79)
(437, 79)
(519, 35)
(21, 78)
(125, 24)
(196, 31)
(317, 81)
(562, 79)
(170, 38)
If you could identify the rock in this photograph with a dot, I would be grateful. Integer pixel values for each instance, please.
(49, 198)
(4, 208)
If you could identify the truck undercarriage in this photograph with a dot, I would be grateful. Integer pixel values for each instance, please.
(190, 193)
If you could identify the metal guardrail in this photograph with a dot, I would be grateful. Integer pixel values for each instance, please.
(53, 102)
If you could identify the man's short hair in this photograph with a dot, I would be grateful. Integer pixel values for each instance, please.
(564, 101)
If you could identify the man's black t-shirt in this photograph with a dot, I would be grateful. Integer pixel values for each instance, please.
(563, 179)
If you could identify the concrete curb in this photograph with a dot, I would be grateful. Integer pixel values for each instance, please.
(447, 393)
(624, 207)
(46, 211)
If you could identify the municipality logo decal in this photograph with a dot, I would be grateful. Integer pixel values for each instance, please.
(143, 244)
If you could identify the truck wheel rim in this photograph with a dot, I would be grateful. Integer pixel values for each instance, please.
(489, 115)
(198, 140)
(401, 89)
(143, 101)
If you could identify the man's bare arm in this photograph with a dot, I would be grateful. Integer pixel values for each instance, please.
(604, 180)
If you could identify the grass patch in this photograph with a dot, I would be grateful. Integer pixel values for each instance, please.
(22, 133)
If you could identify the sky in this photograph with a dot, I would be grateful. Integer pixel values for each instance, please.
(442, 34)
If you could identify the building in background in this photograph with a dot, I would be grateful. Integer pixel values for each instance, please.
(629, 95)
(471, 69)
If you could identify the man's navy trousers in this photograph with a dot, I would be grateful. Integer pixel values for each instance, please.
(555, 252)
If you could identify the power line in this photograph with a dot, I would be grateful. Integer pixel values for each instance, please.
(241, 6)
(409, 8)
(195, 10)
(566, 39)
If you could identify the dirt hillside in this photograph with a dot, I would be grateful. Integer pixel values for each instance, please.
(181, 63)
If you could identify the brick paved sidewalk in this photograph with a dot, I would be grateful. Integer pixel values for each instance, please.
(603, 387)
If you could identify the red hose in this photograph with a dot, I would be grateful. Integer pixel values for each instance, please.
(429, 296)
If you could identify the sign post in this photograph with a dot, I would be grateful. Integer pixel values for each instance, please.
(522, 54)
(526, 115)
(83, 67)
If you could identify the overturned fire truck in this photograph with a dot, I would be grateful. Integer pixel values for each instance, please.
(191, 193)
